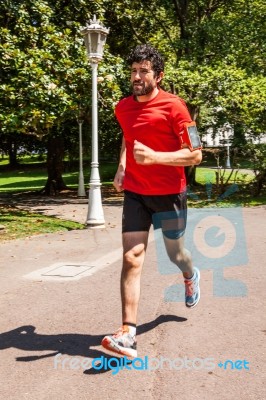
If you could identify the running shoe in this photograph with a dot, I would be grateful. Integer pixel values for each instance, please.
(192, 289)
(121, 343)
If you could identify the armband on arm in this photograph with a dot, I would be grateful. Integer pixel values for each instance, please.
(190, 137)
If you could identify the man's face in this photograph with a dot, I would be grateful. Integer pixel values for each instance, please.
(143, 78)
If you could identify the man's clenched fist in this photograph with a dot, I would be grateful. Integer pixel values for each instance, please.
(143, 154)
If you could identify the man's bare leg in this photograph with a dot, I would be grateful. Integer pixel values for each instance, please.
(134, 250)
(180, 256)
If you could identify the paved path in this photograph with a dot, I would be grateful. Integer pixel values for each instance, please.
(60, 295)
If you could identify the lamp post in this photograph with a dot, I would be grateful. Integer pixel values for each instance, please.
(227, 129)
(81, 187)
(95, 38)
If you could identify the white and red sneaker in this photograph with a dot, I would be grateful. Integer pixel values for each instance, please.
(121, 343)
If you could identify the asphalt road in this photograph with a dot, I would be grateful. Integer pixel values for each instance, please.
(60, 296)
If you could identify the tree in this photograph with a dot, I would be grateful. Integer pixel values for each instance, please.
(45, 75)
(40, 80)
(214, 52)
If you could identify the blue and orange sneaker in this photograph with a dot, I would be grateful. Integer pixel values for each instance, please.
(192, 289)
(121, 343)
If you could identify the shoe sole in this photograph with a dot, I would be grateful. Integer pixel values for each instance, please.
(194, 305)
(112, 346)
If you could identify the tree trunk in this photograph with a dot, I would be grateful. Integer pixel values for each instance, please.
(191, 175)
(55, 166)
(260, 182)
(12, 153)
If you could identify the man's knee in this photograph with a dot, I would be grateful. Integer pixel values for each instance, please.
(176, 258)
(134, 245)
(134, 257)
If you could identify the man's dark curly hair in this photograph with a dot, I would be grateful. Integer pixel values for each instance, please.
(145, 52)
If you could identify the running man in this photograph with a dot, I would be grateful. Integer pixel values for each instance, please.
(151, 173)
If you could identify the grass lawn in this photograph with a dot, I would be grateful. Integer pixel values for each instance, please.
(28, 177)
(19, 223)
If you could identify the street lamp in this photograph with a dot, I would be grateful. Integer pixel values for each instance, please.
(95, 38)
(227, 129)
(81, 187)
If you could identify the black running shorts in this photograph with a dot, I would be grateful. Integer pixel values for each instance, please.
(168, 212)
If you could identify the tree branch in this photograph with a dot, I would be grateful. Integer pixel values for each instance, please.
(163, 27)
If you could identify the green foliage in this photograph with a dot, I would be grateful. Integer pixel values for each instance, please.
(214, 52)
(224, 93)
(39, 74)
(257, 156)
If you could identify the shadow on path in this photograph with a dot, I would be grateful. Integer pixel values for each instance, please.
(25, 338)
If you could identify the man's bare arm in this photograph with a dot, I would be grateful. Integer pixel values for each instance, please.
(184, 157)
(120, 173)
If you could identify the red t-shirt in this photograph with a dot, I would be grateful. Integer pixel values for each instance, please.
(157, 124)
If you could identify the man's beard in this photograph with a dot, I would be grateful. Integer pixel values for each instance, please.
(143, 90)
